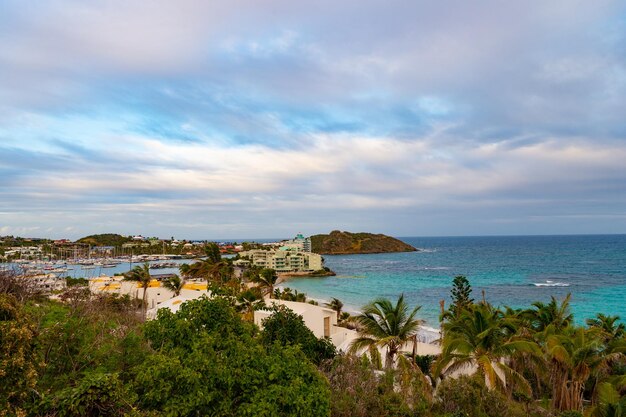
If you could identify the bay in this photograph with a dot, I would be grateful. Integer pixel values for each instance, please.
(511, 270)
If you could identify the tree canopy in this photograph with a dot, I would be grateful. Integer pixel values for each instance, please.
(220, 368)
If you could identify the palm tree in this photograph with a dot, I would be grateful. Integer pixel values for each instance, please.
(174, 284)
(480, 338)
(248, 301)
(336, 305)
(141, 275)
(609, 404)
(212, 252)
(574, 356)
(184, 270)
(218, 272)
(299, 297)
(383, 324)
(251, 272)
(266, 280)
(557, 315)
(608, 325)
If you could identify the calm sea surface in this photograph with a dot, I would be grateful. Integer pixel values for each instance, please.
(512, 270)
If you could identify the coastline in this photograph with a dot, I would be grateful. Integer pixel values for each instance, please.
(426, 333)
(370, 253)
(314, 274)
(590, 267)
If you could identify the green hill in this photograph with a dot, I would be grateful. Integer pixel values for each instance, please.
(107, 239)
(338, 242)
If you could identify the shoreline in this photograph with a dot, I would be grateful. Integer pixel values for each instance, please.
(426, 333)
(370, 253)
(314, 274)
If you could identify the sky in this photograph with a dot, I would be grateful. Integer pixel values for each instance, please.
(243, 119)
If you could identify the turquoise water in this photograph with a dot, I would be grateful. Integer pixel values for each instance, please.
(512, 270)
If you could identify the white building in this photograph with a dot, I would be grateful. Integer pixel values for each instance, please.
(47, 282)
(285, 260)
(24, 250)
(321, 320)
(298, 243)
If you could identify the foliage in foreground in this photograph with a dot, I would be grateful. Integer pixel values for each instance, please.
(18, 373)
(360, 391)
(94, 356)
(286, 328)
(535, 354)
(208, 361)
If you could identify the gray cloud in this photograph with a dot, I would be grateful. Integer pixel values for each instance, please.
(251, 119)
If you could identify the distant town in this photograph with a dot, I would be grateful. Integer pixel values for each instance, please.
(51, 261)
(107, 246)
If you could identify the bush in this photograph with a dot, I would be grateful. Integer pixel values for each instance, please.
(73, 282)
(210, 362)
(179, 330)
(98, 394)
(18, 362)
(359, 390)
(468, 396)
(354, 387)
(75, 339)
(287, 328)
(20, 288)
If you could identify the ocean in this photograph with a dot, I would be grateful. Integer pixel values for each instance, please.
(511, 270)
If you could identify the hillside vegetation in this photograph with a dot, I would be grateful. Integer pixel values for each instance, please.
(338, 242)
(107, 239)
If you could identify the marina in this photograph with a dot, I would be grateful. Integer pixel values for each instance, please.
(91, 268)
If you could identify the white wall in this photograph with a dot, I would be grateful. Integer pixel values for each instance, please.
(312, 315)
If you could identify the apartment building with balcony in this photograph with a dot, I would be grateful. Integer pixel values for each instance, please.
(284, 260)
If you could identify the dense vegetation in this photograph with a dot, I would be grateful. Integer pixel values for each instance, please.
(93, 356)
(338, 242)
(107, 239)
(87, 355)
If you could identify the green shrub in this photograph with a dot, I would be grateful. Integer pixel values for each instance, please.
(18, 360)
(210, 362)
(468, 396)
(97, 394)
(425, 362)
(71, 282)
(360, 390)
(287, 328)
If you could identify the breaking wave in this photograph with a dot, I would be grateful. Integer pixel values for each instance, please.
(551, 284)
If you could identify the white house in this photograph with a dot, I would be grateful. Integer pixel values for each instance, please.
(321, 320)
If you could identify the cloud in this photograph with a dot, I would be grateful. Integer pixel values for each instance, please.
(352, 174)
(248, 117)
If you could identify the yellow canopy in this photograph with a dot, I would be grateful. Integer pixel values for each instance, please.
(195, 286)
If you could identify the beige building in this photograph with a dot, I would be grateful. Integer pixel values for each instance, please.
(285, 260)
(320, 320)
